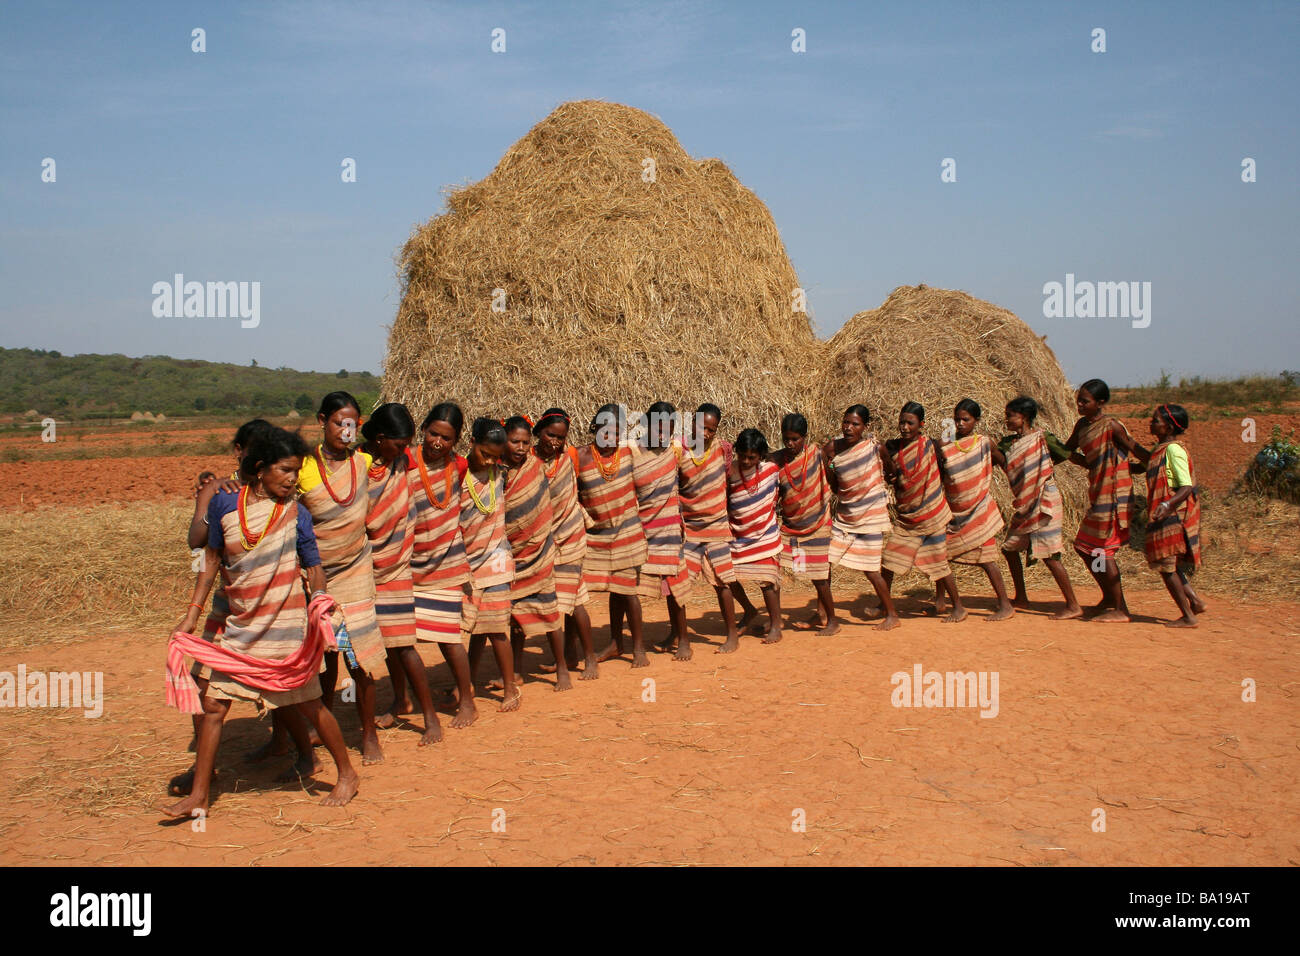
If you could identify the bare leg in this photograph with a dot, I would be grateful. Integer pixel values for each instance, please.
(615, 648)
(371, 751)
(632, 605)
(727, 604)
(458, 661)
(772, 601)
(1005, 609)
(677, 614)
(582, 624)
(562, 681)
(958, 612)
(883, 581)
(747, 618)
(214, 714)
(1112, 590)
(348, 783)
(401, 700)
(1021, 600)
(300, 730)
(1062, 578)
(1196, 604)
(1174, 584)
(418, 678)
(505, 661)
(826, 604)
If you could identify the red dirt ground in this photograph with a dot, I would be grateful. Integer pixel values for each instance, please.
(1142, 722)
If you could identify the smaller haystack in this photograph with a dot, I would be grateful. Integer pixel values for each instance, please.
(936, 347)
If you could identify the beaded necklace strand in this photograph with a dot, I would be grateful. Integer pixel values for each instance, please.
(325, 477)
(250, 541)
(492, 491)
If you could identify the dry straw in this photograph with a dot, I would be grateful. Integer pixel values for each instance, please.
(631, 272)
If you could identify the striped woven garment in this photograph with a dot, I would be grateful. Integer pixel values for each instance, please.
(438, 564)
(918, 488)
(804, 503)
(615, 539)
(268, 610)
(1178, 534)
(751, 514)
(345, 552)
(528, 529)
(390, 525)
(969, 488)
(702, 488)
(654, 476)
(861, 500)
(1110, 490)
(1035, 501)
(484, 532)
(569, 527)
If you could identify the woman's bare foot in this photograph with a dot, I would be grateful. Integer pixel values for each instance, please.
(186, 807)
(466, 714)
(612, 652)
(1110, 617)
(497, 684)
(746, 619)
(773, 636)
(432, 733)
(1001, 614)
(1198, 606)
(889, 623)
(305, 766)
(684, 652)
(829, 628)
(955, 615)
(511, 702)
(343, 792)
(1188, 621)
(813, 623)
(940, 606)
(371, 752)
(663, 647)
(400, 709)
(590, 670)
(872, 613)
(1022, 604)
(1068, 613)
(563, 682)
(730, 646)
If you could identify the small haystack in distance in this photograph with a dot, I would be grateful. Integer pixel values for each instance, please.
(620, 269)
(936, 347)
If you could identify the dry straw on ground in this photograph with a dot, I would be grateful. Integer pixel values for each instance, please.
(936, 347)
(623, 281)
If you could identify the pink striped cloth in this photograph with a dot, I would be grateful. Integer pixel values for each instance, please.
(274, 675)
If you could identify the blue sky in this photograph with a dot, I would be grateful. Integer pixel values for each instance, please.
(1115, 166)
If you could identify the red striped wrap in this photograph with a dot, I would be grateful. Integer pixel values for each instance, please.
(702, 488)
(804, 500)
(439, 567)
(969, 489)
(1036, 522)
(569, 528)
(1178, 535)
(654, 477)
(615, 540)
(390, 525)
(1110, 490)
(751, 514)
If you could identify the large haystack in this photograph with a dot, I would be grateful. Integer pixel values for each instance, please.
(936, 347)
(616, 288)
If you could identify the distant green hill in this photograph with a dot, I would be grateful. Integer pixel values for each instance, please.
(93, 386)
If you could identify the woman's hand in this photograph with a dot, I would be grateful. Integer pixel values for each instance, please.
(189, 621)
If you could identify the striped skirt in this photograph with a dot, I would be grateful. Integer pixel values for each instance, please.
(438, 614)
(619, 581)
(711, 560)
(395, 608)
(368, 647)
(763, 571)
(1041, 544)
(986, 553)
(571, 590)
(537, 613)
(858, 552)
(914, 548)
(486, 610)
(808, 556)
(659, 586)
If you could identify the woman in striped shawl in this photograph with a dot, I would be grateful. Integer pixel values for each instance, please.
(616, 545)
(860, 520)
(1102, 445)
(390, 524)
(259, 539)
(560, 461)
(332, 486)
(485, 614)
(976, 520)
(755, 538)
(654, 476)
(920, 538)
(529, 521)
(439, 568)
(1027, 455)
(804, 501)
(1173, 533)
(702, 462)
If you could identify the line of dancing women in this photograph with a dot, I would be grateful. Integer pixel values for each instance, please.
(331, 563)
